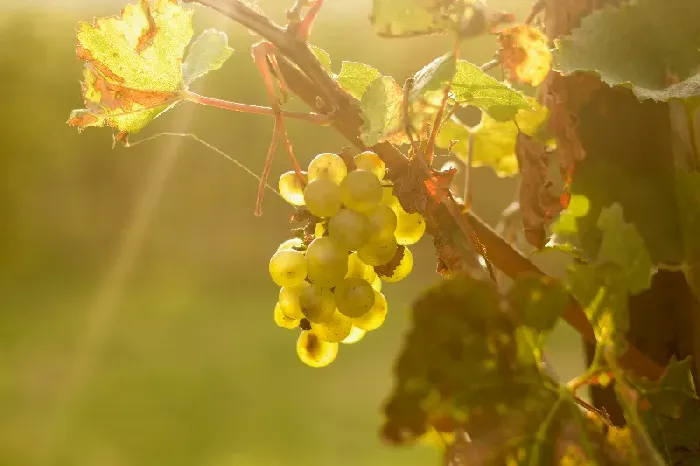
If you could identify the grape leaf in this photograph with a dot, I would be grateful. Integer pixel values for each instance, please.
(471, 86)
(381, 108)
(525, 54)
(433, 77)
(355, 78)
(132, 71)
(323, 57)
(207, 53)
(463, 369)
(406, 18)
(637, 45)
(494, 141)
(669, 411)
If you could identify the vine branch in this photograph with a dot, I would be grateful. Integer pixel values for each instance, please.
(306, 77)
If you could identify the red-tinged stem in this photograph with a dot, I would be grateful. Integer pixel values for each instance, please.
(304, 30)
(315, 118)
(430, 147)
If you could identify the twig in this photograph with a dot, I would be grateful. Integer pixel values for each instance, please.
(305, 77)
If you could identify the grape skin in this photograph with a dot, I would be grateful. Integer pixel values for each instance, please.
(358, 269)
(315, 352)
(403, 269)
(293, 243)
(383, 221)
(326, 262)
(289, 301)
(328, 166)
(335, 330)
(283, 320)
(288, 267)
(354, 297)
(377, 284)
(350, 229)
(409, 227)
(361, 190)
(323, 197)
(292, 188)
(373, 319)
(316, 303)
(370, 161)
(356, 334)
(378, 252)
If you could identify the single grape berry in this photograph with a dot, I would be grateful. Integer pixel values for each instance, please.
(356, 334)
(354, 297)
(378, 252)
(288, 267)
(283, 320)
(317, 304)
(377, 284)
(322, 197)
(335, 330)
(388, 197)
(361, 190)
(315, 352)
(403, 269)
(350, 229)
(409, 227)
(358, 269)
(383, 221)
(293, 243)
(292, 187)
(376, 316)
(289, 301)
(328, 166)
(326, 262)
(371, 162)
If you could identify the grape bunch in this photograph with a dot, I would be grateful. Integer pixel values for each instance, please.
(331, 279)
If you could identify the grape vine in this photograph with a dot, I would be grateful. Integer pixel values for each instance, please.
(472, 367)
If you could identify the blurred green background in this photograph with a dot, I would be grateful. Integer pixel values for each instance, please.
(135, 306)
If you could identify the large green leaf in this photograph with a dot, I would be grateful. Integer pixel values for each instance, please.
(639, 45)
(382, 109)
(355, 78)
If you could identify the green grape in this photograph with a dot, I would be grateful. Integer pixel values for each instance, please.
(409, 228)
(335, 330)
(326, 262)
(317, 304)
(388, 197)
(358, 269)
(378, 252)
(373, 319)
(288, 267)
(328, 166)
(350, 229)
(292, 188)
(322, 197)
(377, 284)
(356, 334)
(319, 229)
(371, 162)
(289, 301)
(403, 269)
(361, 190)
(315, 352)
(292, 243)
(354, 297)
(283, 320)
(383, 221)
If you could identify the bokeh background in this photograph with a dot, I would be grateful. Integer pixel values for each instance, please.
(135, 306)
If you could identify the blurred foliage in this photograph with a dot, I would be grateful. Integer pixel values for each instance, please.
(180, 364)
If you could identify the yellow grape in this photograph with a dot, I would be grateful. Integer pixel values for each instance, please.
(361, 190)
(292, 188)
(356, 334)
(288, 267)
(371, 162)
(409, 228)
(383, 221)
(292, 243)
(378, 252)
(358, 269)
(326, 262)
(315, 352)
(373, 319)
(289, 301)
(328, 166)
(319, 229)
(283, 320)
(335, 330)
(322, 197)
(388, 197)
(350, 229)
(377, 284)
(354, 297)
(316, 303)
(403, 269)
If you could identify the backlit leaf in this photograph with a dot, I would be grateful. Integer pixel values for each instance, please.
(207, 53)
(381, 107)
(525, 53)
(322, 57)
(405, 18)
(355, 78)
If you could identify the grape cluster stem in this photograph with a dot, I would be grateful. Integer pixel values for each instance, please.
(306, 77)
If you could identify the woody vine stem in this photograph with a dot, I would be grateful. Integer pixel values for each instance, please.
(304, 75)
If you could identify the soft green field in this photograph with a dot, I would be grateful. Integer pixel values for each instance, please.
(135, 308)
